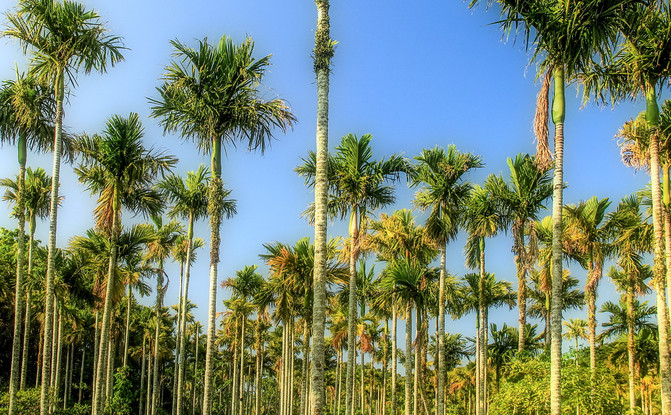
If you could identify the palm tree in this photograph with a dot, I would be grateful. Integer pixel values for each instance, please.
(484, 218)
(25, 111)
(522, 199)
(566, 37)
(323, 53)
(159, 249)
(586, 236)
(62, 38)
(444, 192)
(576, 329)
(210, 94)
(118, 168)
(357, 186)
(189, 201)
(642, 67)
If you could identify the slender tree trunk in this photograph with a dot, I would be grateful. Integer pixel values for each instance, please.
(304, 370)
(417, 358)
(520, 263)
(15, 369)
(631, 347)
(322, 61)
(590, 299)
(338, 389)
(157, 315)
(178, 343)
(51, 255)
(259, 368)
(352, 315)
(67, 377)
(149, 382)
(241, 384)
(142, 376)
(81, 375)
(482, 367)
(383, 397)
(292, 361)
(362, 386)
(109, 378)
(195, 372)
(234, 385)
(558, 114)
(29, 308)
(99, 401)
(408, 360)
(59, 358)
(129, 298)
(394, 370)
(214, 208)
(184, 301)
(652, 116)
(440, 405)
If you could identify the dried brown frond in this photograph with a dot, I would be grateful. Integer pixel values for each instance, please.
(543, 154)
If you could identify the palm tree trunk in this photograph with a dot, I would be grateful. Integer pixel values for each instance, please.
(149, 382)
(109, 378)
(352, 315)
(184, 301)
(259, 367)
(125, 342)
(558, 114)
(214, 208)
(362, 386)
(393, 359)
(29, 309)
(440, 405)
(241, 384)
(520, 264)
(323, 53)
(234, 385)
(59, 354)
(54, 342)
(652, 116)
(81, 375)
(631, 347)
(292, 362)
(338, 381)
(195, 372)
(408, 359)
(417, 357)
(98, 403)
(15, 370)
(178, 335)
(157, 314)
(51, 256)
(482, 367)
(142, 376)
(305, 368)
(590, 299)
(385, 362)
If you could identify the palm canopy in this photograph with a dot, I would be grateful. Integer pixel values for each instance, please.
(211, 93)
(62, 37)
(188, 197)
(121, 170)
(246, 283)
(27, 108)
(356, 181)
(617, 323)
(36, 193)
(495, 293)
(443, 190)
(484, 218)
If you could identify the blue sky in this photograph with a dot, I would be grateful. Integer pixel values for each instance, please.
(413, 74)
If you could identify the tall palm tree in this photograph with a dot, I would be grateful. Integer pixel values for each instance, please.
(189, 201)
(566, 36)
(323, 53)
(26, 109)
(210, 95)
(576, 329)
(484, 219)
(586, 236)
(444, 191)
(357, 186)
(642, 67)
(118, 168)
(62, 38)
(522, 198)
(160, 249)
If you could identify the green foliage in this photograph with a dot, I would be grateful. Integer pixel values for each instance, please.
(77, 409)
(27, 402)
(124, 393)
(525, 390)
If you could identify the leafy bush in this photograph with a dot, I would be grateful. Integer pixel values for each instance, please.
(525, 391)
(77, 409)
(27, 402)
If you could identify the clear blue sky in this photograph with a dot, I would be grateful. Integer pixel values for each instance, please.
(413, 74)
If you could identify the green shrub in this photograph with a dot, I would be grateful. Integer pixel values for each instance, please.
(27, 402)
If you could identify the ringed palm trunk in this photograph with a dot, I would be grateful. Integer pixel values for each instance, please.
(408, 359)
(393, 359)
(440, 405)
(652, 116)
(558, 115)
(631, 348)
(182, 338)
(521, 265)
(305, 368)
(98, 393)
(15, 371)
(259, 367)
(125, 343)
(159, 304)
(214, 208)
(323, 53)
(53, 220)
(26, 330)
(352, 315)
(234, 384)
(178, 335)
(482, 356)
(590, 299)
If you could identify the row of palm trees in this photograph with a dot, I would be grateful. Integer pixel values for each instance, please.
(231, 110)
